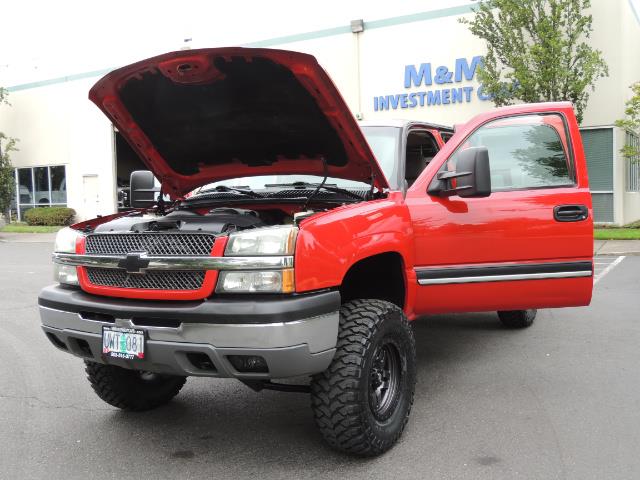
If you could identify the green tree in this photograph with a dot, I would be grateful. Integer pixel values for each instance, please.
(537, 51)
(7, 179)
(632, 123)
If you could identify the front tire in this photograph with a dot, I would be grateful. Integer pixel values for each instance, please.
(517, 318)
(132, 389)
(361, 403)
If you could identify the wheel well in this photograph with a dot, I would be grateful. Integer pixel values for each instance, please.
(380, 276)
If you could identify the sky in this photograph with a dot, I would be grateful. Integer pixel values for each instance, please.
(47, 39)
(44, 39)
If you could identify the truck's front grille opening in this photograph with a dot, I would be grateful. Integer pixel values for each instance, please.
(201, 361)
(248, 363)
(98, 317)
(151, 280)
(156, 322)
(151, 243)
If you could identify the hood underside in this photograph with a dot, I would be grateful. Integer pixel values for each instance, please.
(200, 116)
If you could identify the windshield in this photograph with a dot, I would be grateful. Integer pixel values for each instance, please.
(382, 140)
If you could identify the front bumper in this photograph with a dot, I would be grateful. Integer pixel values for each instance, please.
(295, 335)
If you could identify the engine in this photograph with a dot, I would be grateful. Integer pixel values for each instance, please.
(217, 220)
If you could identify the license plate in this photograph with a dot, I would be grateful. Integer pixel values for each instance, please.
(119, 342)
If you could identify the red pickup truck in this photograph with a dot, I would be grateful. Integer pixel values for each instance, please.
(295, 242)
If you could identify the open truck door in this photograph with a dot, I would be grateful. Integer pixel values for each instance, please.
(527, 241)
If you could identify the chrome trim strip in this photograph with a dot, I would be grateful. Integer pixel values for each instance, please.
(177, 263)
(504, 278)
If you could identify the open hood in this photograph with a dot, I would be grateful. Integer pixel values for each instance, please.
(199, 116)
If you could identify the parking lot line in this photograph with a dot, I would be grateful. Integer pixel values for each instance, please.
(611, 266)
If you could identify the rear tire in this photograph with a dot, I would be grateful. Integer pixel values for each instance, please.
(517, 318)
(132, 389)
(361, 403)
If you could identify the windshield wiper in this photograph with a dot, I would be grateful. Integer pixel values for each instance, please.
(330, 188)
(224, 188)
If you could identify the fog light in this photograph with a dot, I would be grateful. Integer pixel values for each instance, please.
(65, 274)
(201, 361)
(248, 363)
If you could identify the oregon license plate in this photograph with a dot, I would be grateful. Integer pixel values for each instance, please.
(120, 342)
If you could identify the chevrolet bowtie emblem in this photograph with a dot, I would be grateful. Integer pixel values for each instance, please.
(134, 263)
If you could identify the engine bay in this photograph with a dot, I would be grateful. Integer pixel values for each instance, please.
(217, 220)
(221, 210)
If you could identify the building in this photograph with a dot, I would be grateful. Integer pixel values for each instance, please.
(419, 66)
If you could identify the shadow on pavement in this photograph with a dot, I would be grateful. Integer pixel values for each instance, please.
(222, 421)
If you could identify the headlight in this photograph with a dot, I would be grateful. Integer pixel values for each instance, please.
(272, 281)
(262, 241)
(66, 240)
(66, 243)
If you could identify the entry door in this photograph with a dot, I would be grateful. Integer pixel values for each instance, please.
(527, 245)
(90, 196)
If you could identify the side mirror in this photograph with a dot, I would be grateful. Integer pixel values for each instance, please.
(142, 192)
(472, 176)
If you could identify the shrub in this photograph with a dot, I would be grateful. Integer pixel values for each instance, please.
(49, 216)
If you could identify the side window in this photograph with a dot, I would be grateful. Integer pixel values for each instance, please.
(528, 151)
(446, 136)
(421, 148)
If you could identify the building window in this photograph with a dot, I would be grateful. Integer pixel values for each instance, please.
(633, 163)
(40, 187)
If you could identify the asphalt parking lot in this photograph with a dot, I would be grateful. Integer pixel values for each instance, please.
(559, 400)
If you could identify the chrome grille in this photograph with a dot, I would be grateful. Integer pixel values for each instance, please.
(151, 280)
(151, 243)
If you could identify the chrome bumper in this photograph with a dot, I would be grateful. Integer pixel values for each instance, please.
(300, 347)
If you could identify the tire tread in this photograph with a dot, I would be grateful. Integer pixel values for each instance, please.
(116, 386)
(335, 394)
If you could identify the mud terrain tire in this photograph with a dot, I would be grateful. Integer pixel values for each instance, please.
(132, 389)
(361, 403)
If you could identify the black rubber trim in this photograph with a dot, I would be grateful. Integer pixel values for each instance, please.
(225, 310)
(523, 269)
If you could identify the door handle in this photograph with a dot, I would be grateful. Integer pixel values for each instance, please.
(570, 213)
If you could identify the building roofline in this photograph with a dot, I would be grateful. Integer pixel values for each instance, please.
(298, 37)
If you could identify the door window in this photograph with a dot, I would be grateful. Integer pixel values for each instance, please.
(528, 151)
(421, 148)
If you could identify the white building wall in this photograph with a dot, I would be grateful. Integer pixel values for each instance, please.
(57, 124)
(384, 53)
(629, 26)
